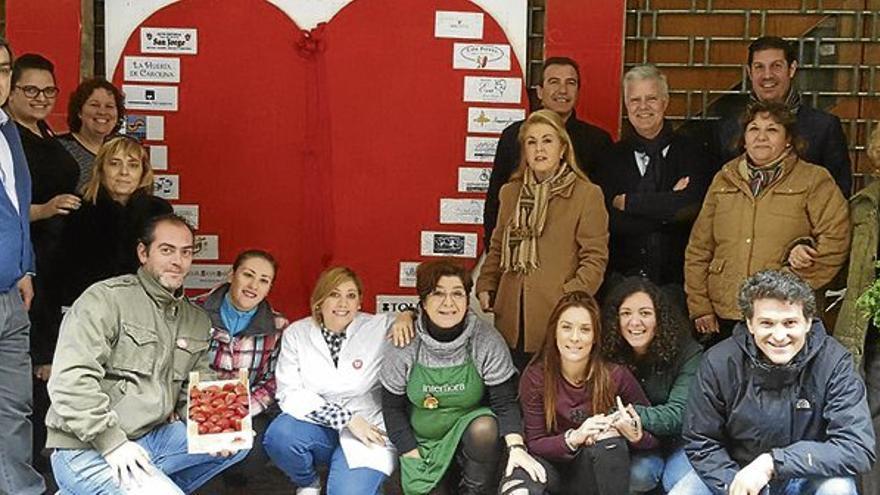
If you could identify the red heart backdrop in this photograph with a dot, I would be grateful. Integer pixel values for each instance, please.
(329, 149)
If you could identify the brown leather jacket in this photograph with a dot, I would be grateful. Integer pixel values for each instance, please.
(737, 234)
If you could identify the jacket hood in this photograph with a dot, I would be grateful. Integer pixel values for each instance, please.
(263, 322)
(773, 376)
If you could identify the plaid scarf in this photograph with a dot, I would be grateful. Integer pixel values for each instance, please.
(520, 241)
(792, 100)
(761, 177)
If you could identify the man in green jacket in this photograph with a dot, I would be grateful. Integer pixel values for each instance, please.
(118, 385)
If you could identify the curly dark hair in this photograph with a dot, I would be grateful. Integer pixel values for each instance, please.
(81, 95)
(664, 348)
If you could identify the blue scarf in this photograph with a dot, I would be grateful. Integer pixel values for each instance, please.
(234, 319)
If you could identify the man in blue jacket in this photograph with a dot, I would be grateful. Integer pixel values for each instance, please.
(16, 291)
(772, 65)
(777, 408)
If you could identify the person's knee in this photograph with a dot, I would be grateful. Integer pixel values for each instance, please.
(644, 473)
(481, 437)
(837, 486)
(361, 481)
(514, 487)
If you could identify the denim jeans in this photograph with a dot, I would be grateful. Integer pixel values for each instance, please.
(85, 472)
(296, 446)
(648, 470)
(16, 382)
(691, 484)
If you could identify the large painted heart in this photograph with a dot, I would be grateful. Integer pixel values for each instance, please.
(332, 151)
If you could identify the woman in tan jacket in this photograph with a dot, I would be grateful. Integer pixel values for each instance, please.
(764, 209)
(552, 237)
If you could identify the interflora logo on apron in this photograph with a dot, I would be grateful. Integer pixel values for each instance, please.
(431, 391)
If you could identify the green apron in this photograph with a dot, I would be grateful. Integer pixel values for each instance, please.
(444, 402)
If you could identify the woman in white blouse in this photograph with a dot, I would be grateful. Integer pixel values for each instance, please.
(329, 393)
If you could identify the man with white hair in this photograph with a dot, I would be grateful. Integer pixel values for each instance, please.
(654, 180)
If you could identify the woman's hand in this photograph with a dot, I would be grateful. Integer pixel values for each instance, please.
(485, 299)
(43, 372)
(802, 256)
(365, 432)
(61, 204)
(619, 202)
(402, 330)
(519, 457)
(707, 324)
(412, 454)
(590, 430)
(628, 422)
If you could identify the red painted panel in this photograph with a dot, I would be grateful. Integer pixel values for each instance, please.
(591, 32)
(51, 28)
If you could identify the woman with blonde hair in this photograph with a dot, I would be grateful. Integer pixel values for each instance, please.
(551, 240)
(327, 381)
(100, 238)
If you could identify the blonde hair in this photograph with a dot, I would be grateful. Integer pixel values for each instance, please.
(552, 119)
(329, 280)
(874, 146)
(118, 144)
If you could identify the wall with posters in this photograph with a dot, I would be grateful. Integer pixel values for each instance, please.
(338, 132)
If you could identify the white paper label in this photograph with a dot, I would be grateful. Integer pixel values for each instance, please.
(396, 304)
(166, 186)
(155, 128)
(493, 120)
(408, 273)
(159, 156)
(206, 247)
(464, 211)
(474, 179)
(169, 40)
(492, 89)
(476, 56)
(480, 149)
(461, 25)
(190, 213)
(157, 98)
(152, 69)
(206, 276)
(457, 244)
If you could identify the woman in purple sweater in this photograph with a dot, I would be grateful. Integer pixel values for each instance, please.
(576, 424)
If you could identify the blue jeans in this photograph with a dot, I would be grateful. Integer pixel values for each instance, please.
(648, 470)
(691, 484)
(296, 446)
(85, 472)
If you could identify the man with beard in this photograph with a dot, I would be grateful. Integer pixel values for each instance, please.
(118, 384)
(771, 67)
(558, 91)
(654, 181)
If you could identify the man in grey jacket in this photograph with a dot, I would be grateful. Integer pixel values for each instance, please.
(118, 386)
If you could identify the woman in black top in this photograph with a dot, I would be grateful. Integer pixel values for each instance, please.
(53, 174)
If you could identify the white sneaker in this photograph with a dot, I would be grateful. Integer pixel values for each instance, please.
(315, 489)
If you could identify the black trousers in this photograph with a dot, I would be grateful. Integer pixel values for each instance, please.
(474, 470)
(600, 469)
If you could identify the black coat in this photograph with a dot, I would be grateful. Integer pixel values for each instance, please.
(590, 143)
(100, 240)
(821, 132)
(811, 415)
(649, 237)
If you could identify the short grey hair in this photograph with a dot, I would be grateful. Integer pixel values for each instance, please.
(778, 285)
(646, 72)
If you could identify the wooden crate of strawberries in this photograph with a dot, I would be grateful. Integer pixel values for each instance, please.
(218, 416)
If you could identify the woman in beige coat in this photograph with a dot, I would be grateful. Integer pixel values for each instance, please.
(552, 237)
(766, 209)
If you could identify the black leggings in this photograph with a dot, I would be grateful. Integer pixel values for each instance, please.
(600, 469)
(475, 469)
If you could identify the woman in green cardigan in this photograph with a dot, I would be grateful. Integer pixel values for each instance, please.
(653, 339)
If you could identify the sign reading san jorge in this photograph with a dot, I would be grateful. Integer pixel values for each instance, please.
(169, 40)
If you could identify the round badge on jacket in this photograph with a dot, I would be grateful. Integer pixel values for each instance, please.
(357, 364)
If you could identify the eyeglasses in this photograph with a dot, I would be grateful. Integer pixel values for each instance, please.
(33, 91)
(456, 295)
